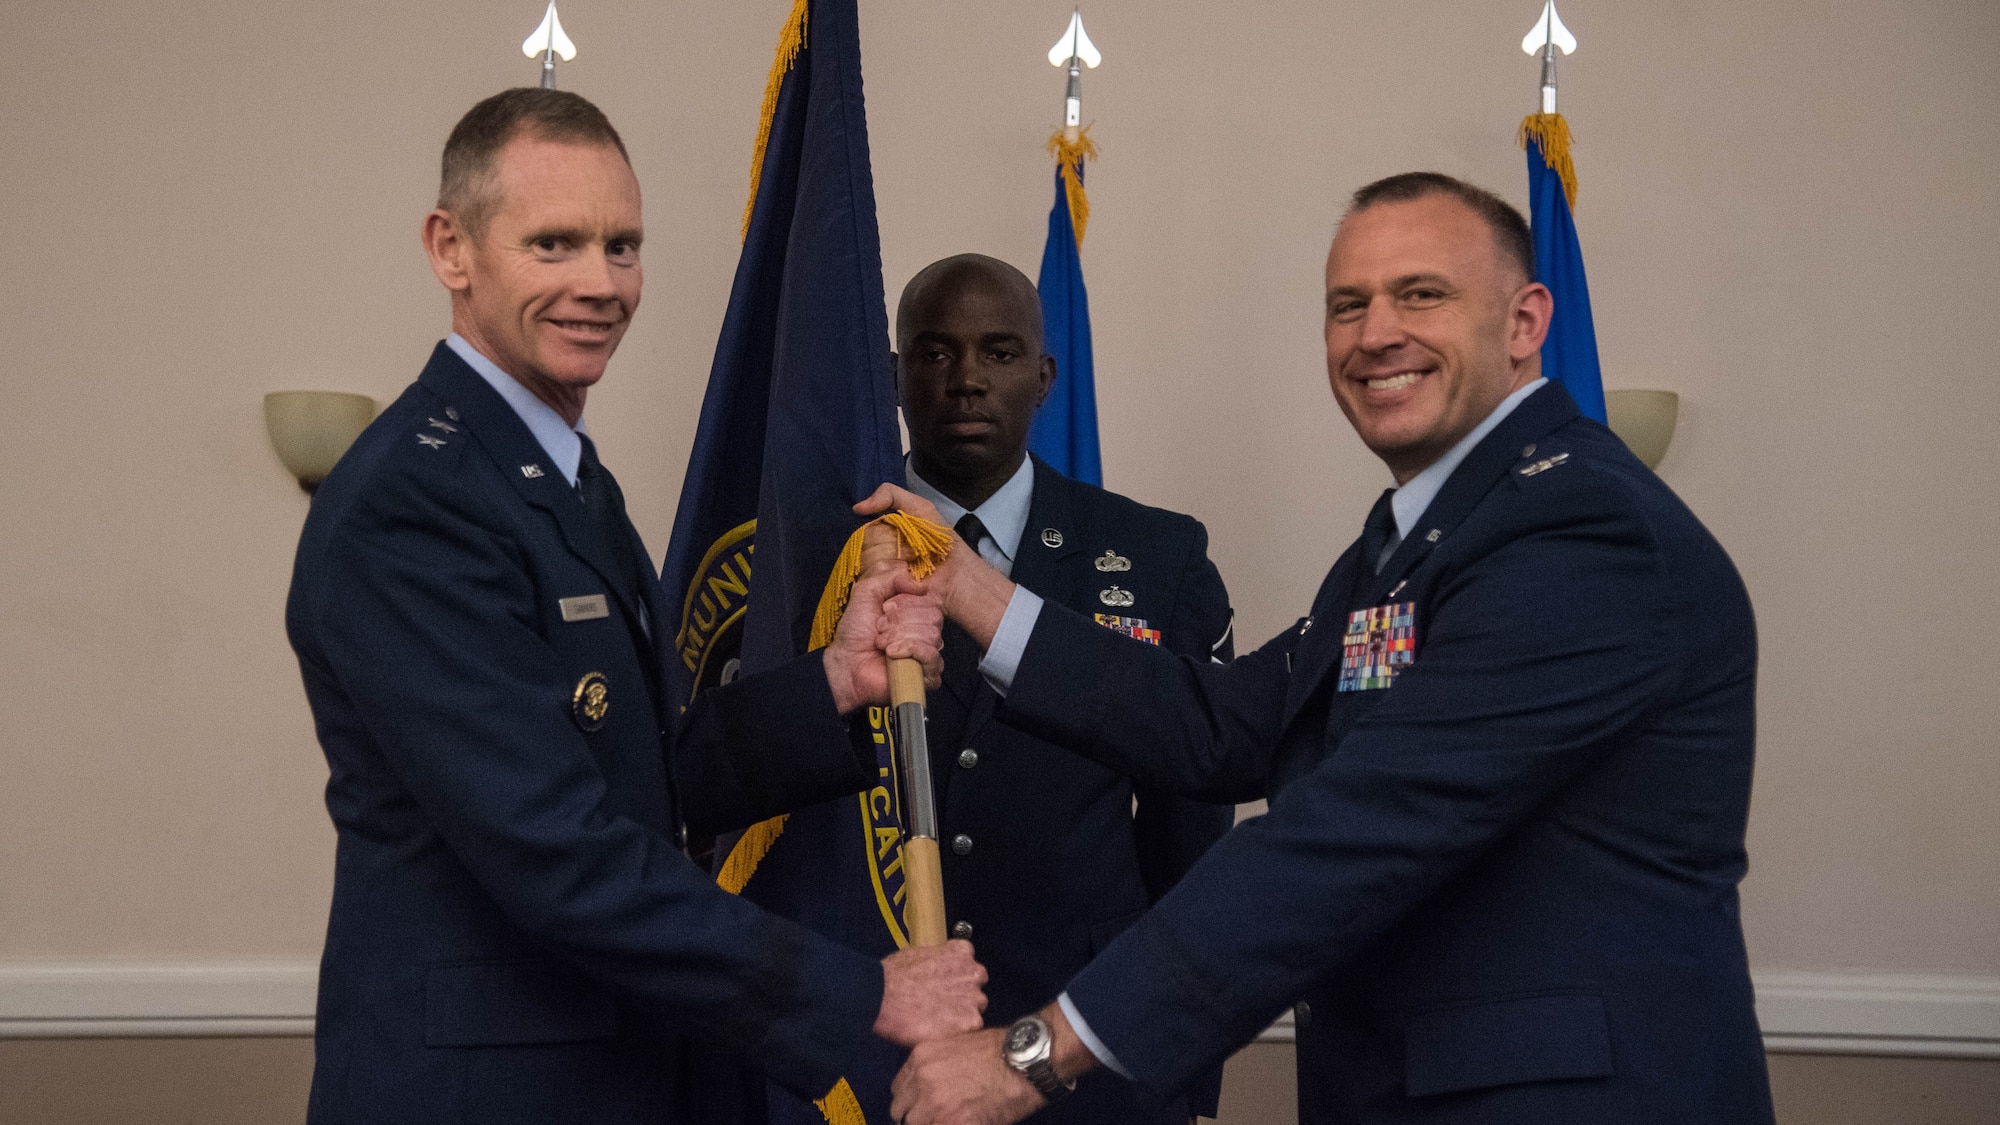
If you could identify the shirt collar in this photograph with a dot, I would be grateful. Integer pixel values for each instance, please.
(554, 435)
(1005, 513)
(1413, 497)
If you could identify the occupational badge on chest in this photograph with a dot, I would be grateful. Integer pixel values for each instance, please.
(591, 701)
(1380, 642)
(1133, 627)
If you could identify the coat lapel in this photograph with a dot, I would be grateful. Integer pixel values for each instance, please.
(1037, 566)
(1319, 651)
(492, 423)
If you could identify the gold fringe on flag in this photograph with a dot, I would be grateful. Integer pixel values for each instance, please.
(1551, 132)
(791, 40)
(841, 1107)
(1070, 156)
(926, 544)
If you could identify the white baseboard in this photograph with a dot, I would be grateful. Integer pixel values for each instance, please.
(1811, 1013)
(1858, 1014)
(47, 1000)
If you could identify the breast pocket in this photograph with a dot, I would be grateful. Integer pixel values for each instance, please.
(1530, 1039)
(514, 1003)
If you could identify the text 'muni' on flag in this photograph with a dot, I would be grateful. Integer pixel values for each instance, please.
(798, 423)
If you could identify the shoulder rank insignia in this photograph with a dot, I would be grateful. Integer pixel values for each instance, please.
(451, 412)
(590, 702)
(1111, 561)
(1543, 465)
(1051, 537)
(1133, 627)
(1115, 597)
(1380, 642)
(447, 427)
(432, 440)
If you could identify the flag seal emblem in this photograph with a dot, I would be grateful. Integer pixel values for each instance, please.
(1379, 643)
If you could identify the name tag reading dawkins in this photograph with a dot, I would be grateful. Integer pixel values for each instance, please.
(585, 607)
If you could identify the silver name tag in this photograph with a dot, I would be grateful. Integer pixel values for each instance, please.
(585, 607)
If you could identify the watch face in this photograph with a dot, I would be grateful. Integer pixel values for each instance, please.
(1023, 1038)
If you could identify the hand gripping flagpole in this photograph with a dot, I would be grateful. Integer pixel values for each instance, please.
(923, 545)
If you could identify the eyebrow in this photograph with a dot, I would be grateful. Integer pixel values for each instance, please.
(1404, 282)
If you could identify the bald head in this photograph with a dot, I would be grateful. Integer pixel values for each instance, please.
(944, 280)
(970, 371)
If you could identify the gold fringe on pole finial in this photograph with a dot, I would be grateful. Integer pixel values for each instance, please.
(1070, 156)
(791, 40)
(1551, 132)
(925, 546)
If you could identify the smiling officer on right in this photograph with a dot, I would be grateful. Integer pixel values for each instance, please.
(1508, 754)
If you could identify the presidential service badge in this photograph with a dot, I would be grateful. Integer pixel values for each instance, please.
(1380, 642)
(1133, 627)
(590, 702)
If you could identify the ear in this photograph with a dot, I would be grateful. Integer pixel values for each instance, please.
(1528, 321)
(1048, 377)
(448, 246)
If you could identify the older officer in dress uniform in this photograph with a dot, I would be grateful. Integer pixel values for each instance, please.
(1047, 856)
(516, 935)
(1509, 756)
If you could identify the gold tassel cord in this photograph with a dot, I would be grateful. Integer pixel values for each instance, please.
(1070, 156)
(925, 545)
(791, 40)
(1551, 133)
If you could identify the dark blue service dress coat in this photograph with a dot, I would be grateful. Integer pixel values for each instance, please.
(516, 935)
(1048, 856)
(1509, 779)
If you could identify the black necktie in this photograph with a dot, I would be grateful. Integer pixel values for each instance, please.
(971, 530)
(1376, 531)
(606, 506)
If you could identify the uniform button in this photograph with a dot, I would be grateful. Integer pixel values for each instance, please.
(681, 836)
(961, 930)
(961, 844)
(1302, 1014)
(968, 757)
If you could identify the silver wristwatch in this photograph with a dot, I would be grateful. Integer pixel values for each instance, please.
(1027, 1048)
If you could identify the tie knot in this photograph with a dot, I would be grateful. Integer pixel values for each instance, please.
(970, 529)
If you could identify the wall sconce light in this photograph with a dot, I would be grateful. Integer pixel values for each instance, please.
(311, 429)
(1644, 421)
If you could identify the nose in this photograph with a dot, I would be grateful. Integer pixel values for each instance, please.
(1381, 326)
(591, 280)
(963, 377)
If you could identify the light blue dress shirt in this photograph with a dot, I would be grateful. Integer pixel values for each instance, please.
(1010, 640)
(1413, 498)
(1004, 515)
(553, 434)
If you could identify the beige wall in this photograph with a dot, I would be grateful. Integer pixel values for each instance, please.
(1790, 211)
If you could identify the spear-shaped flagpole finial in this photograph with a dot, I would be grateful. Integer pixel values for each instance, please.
(1075, 51)
(549, 43)
(1543, 39)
